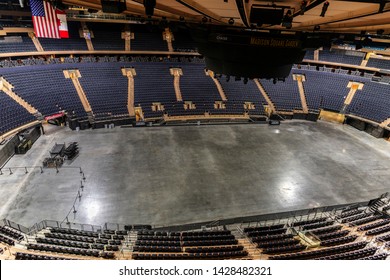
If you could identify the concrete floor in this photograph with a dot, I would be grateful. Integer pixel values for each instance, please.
(177, 175)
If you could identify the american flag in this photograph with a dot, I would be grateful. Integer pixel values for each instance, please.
(44, 19)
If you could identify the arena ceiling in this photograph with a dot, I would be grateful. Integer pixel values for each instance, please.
(353, 16)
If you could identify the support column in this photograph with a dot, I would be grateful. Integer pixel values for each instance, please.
(385, 123)
(130, 74)
(300, 79)
(217, 84)
(365, 60)
(354, 87)
(316, 55)
(176, 73)
(75, 75)
(36, 42)
(168, 36)
(7, 88)
(127, 36)
(265, 95)
(87, 35)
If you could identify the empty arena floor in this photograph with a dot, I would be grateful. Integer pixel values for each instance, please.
(186, 174)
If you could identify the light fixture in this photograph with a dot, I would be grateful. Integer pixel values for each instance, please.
(324, 8)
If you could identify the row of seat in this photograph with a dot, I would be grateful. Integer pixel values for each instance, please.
(306, 222)
(317, 225)
(75, 232)
(381, 256)
(185, 233)
(358, 254)
(157, 243)
(157, 249)
(158, 238)
(356, 217)
(284, 249)
(209, 242)
(364, 221)
(266, 232)
(207, 237)
(63, 250)
(65, 243)
(383, 238)
(339, 240)
(115, 232)
(332, 235)
(379, 230)
(214, 249)
(83, 238)
(277, 243)
(324, 230)
(11, 233)
(272, 237)
(191, 256)
(321, 252)
(26, 256)
(7, 240)
(261, 228)
(373, 225)
(349, 213)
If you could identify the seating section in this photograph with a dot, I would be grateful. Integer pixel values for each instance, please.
(107, 36)
(218, 244)
(330, 95)
(329, 234)
(372, 102)
(27, 256)
(45, 88)
(321, 253)
(10, 232)
(284, 95)
(105, 88)
(285, 241)
(341, 56)
(79, 242)
(309, 55)
(153, 83)
(74, 42)
(148, 38)
(12, 115)
(17, 43)
(238, 93)
(378, 63)
(197, 87)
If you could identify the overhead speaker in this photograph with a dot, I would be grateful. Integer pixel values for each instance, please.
(266, 15)
(149, 7)
(113, 6)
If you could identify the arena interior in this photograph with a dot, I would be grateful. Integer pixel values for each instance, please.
(187, 129)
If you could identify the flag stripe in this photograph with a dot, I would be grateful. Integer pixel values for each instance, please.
(45, 19)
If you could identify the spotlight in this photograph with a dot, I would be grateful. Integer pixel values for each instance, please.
(204, 19)
(231, 21)
(303, 7)
(287, 20)
(149, 7)
(317, 28)
(181, 18)
(324, 8)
